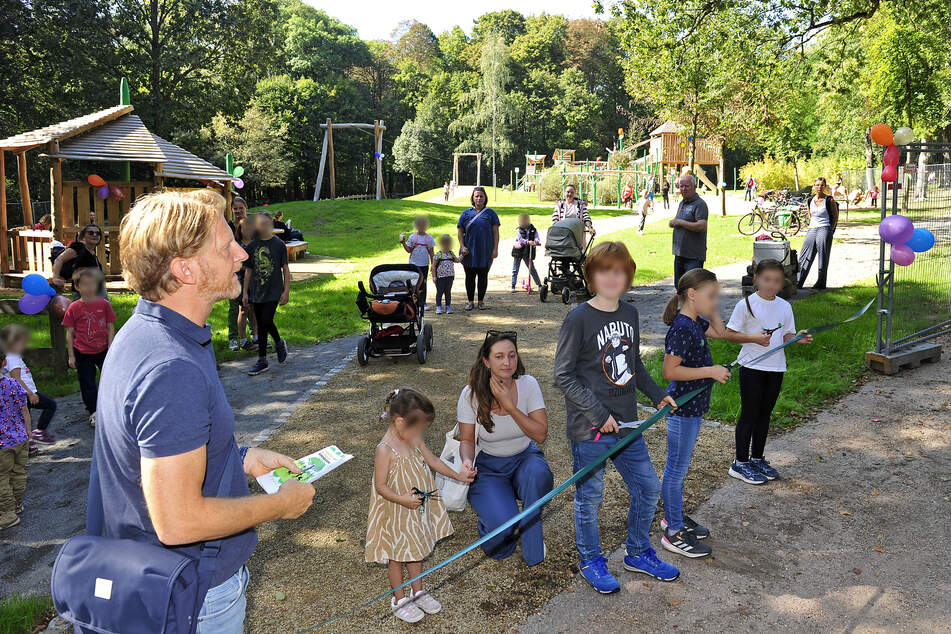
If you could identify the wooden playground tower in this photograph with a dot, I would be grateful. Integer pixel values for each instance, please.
(670, 149)
(112, 135)
(328, 148)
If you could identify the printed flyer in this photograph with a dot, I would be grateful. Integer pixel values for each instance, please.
(312, 466)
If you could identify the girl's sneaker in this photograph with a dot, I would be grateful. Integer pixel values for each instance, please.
(259, 367)
(685, 543)
(426, 602)
(248, 344)
(744, 471)
(690, 526)
(33, 451)
(405, 610)
(438, 309)
(281, 351)
(763, 467)
(648, 563)
(92, 419)
(233, 345)
(448, 310)
(595, 571)
(42, 436)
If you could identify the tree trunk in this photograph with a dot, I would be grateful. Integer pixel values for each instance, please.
(155, 74)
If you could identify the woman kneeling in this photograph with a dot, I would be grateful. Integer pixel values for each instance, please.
(502, 412)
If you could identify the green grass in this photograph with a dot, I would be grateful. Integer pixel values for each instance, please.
(652, 250)
(818, 373)
(364, 232)
(21, 615)
(497, 196)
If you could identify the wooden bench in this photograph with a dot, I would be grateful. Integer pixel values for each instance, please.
(294, 247)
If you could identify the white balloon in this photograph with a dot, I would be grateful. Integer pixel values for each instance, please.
(904, 136)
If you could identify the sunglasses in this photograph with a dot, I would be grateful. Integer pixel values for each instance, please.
(501, 334)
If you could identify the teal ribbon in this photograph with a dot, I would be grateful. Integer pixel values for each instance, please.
(616, 448)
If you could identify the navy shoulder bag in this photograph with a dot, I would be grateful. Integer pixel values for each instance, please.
(124, 586)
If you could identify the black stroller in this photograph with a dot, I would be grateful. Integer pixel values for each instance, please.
(395, 313)
(566, 262)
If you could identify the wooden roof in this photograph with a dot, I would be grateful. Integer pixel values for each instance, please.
(63, 130)
(180, 163)
(668, 127)
(124, 139)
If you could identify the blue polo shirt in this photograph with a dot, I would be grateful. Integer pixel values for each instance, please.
(687, 339)
(159, 395)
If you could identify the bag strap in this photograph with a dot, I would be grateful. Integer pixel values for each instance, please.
(474, 218)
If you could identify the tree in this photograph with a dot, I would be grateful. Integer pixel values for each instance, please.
(258, 143)
(507, 23)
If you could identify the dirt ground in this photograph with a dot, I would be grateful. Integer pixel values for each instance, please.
(316, 563)
(853, 538)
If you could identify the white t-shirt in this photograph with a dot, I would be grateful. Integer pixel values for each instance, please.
(421, 246)
(768, 314)
(15, 361)
(507, 438)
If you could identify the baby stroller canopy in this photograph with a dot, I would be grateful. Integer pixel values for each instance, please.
(395, 278)
(565, 238)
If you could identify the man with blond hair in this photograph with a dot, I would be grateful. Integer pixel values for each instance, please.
(165, 434)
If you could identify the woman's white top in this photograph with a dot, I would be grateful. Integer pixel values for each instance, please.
(506, 438)
(819, 210)
(767, 314)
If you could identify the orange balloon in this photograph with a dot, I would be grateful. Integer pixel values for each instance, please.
(95, 180)
(882, 134)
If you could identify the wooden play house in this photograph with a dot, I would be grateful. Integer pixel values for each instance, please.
(110, 135)
(670, 146)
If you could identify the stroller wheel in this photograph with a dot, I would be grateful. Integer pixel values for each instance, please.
(543, 292)
(428, 331)
(566, 295)
(363, 356)
(421, 349)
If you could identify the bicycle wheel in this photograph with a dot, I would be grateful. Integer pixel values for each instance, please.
(794, 225)
(750, 223)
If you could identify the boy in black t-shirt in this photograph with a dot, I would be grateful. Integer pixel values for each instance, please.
(266, 284)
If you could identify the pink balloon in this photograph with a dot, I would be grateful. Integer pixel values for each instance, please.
(889, 173)
(892, 155)
(103, 192)
(902, 255)
(238, 184)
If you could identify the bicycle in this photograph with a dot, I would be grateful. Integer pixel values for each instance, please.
(782, 218)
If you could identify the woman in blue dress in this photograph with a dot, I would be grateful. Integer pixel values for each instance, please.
(478, 228)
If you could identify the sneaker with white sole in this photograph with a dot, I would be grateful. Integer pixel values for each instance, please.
(233, 345)
(684, 543)
(762, 466)
(426, 602)
(649, 564)
(448, 310)
(92, 419)
(744, 471)
(690, 526)
(438, 310)
(595, 571)
(405, 610)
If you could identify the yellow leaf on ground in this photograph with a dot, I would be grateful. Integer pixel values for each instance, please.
(879, 549)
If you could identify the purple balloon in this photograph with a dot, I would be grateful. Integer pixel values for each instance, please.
(902, 255)
(896, 230)
(103, 192)
(238, 184)
(32, 304)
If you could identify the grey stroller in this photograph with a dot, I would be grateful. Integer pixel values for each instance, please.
(566, 262)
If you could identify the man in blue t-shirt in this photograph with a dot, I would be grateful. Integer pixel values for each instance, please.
(165, 430)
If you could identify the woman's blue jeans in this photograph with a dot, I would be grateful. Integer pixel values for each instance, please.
(682, 432)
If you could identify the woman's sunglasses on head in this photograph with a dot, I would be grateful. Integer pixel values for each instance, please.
(501, 334)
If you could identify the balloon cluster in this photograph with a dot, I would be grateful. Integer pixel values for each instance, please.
(379, 156)
(38, 293)
(905, 239)
(103, 189)
(238, 172)
(883, 135)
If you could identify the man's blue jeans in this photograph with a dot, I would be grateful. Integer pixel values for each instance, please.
(682, 265)
(634, 465)
(223, 610)
(682, 434)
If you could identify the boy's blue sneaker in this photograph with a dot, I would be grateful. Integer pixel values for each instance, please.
(648, 563)
(281, 351)
(595, 570)
(762, 466)
(744, 471)
(259, 367)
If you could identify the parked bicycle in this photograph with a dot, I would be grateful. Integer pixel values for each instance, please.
(783, 216)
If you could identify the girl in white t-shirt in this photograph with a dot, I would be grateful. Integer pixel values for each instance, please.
(501, 413)
(761, 322)
(15, 339)
(420, 246)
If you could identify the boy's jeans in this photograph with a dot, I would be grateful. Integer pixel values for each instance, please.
(634, 465)
(224, 607)
(682, 434)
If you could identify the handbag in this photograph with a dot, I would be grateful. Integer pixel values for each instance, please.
(125, 586)
(452, 492)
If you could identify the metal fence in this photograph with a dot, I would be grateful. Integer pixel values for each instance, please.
(915, 301)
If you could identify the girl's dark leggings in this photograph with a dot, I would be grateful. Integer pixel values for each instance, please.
(444, 290)
(264, 313)
(758, 393)
(474, 275)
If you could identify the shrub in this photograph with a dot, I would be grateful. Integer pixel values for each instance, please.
(551, 183)
(772, 173)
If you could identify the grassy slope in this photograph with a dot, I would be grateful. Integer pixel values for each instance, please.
(497, 196)
(21, 615)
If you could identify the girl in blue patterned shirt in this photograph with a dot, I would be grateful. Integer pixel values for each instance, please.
(688, 365)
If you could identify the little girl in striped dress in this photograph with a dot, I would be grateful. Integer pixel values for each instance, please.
(406, 516)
